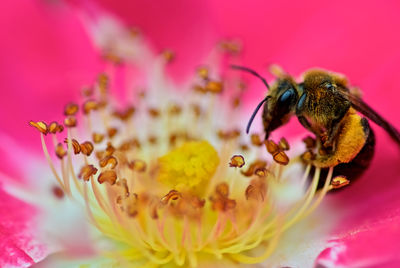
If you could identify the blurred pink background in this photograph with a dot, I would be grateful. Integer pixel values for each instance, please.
(46, 56)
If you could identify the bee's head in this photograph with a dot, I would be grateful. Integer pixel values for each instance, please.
(280, 104)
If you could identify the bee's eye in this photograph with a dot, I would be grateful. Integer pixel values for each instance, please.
(287, 97)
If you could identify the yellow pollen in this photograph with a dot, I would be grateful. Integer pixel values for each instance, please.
(189, 167)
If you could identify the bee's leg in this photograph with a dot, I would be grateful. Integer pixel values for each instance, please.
(333, 131)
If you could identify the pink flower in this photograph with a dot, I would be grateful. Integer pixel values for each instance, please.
(49, 53)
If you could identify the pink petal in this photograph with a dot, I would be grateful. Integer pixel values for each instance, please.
(46, 58)
(17, 233)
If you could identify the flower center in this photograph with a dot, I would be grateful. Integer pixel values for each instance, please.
(189, 167)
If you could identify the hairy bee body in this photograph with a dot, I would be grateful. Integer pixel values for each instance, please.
(325, 105)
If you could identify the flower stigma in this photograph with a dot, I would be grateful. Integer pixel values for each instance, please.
(178, 183)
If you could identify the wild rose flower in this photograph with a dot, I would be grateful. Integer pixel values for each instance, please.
(345, 245)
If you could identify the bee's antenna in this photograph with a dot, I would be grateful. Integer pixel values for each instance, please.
(254, 114)
(237, 67)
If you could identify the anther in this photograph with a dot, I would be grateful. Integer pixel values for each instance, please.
(89, 106)
(97, 137)
(58, 192)
(53, 127)
(271, 146)
(125, 115)
(281, 158)
(109, 160)
(137, 165)
(309, 142)
(308, 156)
(71, 109)
(86, 148)
(172, 195)
(70, 121)
(60, 151)
(107, 176)
(41, 126)
(203, 72)
(174, 110)
(256, 165)
(111, 132)
(87, 172)
(339, 181)
(214, 86)
(237, 161)
(153, 112)
(283, 144)
(168, 55)
(75, 145)
(256, 140)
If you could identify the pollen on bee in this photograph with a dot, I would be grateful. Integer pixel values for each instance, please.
(237, 161)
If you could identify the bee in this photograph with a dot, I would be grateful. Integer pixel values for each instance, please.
(326, 106)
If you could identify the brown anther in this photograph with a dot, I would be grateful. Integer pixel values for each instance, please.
(172, 139)
(87, 172)
(75, 145)
(271, 146)
(99, 154)
(214, 86)
(87, 91)
(109, 150)
(135, 143)
(203, 72)
(172, 195)
(41, 126)
(152, 140)
(283, 144)
(60, 151)
(124, 184)
(229, 134)
(199, 89)
(107, 176)
(90, 105)
(236, 102)
(53, 127)
(133, 32)
(244, 147)
(237, 161)
(309, 142)
(256, 190)
(71, 109)
(57, 192)
(153, 112)
(196, 202)
(339, 181)
(196, 110)
(281, 158)
(261, 172)
(168, 55)
(222, 189)
(256, 140)
(108, 160)
(112, 57)
(230, 46)
(97, 137)
(308, 156)
(60, 128)
(174, 110)
(126, 114)
(70, 121)
(87, 148)
(138, 165)
(103, 82)
(111, 132)
(256, 165)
